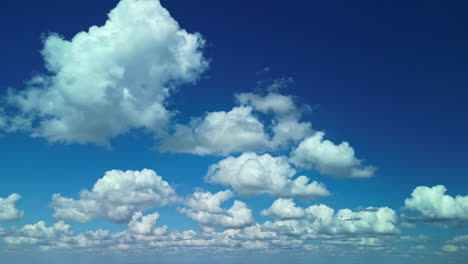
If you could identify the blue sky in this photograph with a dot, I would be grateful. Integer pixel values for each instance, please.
(254, 121)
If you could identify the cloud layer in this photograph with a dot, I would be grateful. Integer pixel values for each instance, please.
(109, 79)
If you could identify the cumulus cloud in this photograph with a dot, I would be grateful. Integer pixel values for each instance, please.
(321, 219)
(450, 248)
(284, 209)
(241, 129)
(146, 225)
(329, 158)
(116, 197)
(38, 233)
(109, 79)
(8, 210)
(252, 174)
(219, 133)
(433, 205)
(204, 207)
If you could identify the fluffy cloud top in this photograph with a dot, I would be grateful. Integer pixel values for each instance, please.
(252, 174)
(321, 219)
(8, 210)
(116, 197)
(204, 207)
(328, 158)
(432, 204)
(111, 78)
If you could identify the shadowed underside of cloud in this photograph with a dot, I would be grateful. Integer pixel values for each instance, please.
(109, 79)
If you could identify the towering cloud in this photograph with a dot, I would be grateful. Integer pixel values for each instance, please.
(116, 197)
(8, 211)
(109, 79)
(252, 174)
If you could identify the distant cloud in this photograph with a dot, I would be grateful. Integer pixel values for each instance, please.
(117, 197)
(431, 204)
(109, 79)
(252, 174)
(204, 207)
(329, 158)
(321, 219)
(8, 211)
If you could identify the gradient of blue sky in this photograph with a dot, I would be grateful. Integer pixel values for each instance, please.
(390, 78)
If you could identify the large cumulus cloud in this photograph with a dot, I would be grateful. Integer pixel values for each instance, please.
(109, 79)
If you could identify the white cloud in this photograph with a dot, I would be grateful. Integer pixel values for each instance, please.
(204, 207)
(432, 204)
(328, 158)
(219, 133)
(37, 233)
(109, 79)
(147, 225)
(241, 130)
(321, 219)
(8, 210)
(279, 104)
(450, 248)
(252, 174)
(116, 197)
(284, 209)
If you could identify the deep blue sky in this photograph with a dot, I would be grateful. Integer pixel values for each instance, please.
(389, 77)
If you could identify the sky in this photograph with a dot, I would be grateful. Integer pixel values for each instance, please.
(172, 131)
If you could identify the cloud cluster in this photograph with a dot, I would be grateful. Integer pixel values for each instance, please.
(321, 219)
(204, 207)
(252, 174)
(431, 204)
(116, 197)
(109, 79)
(8, 210)
(142, 233)
(329, 158)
